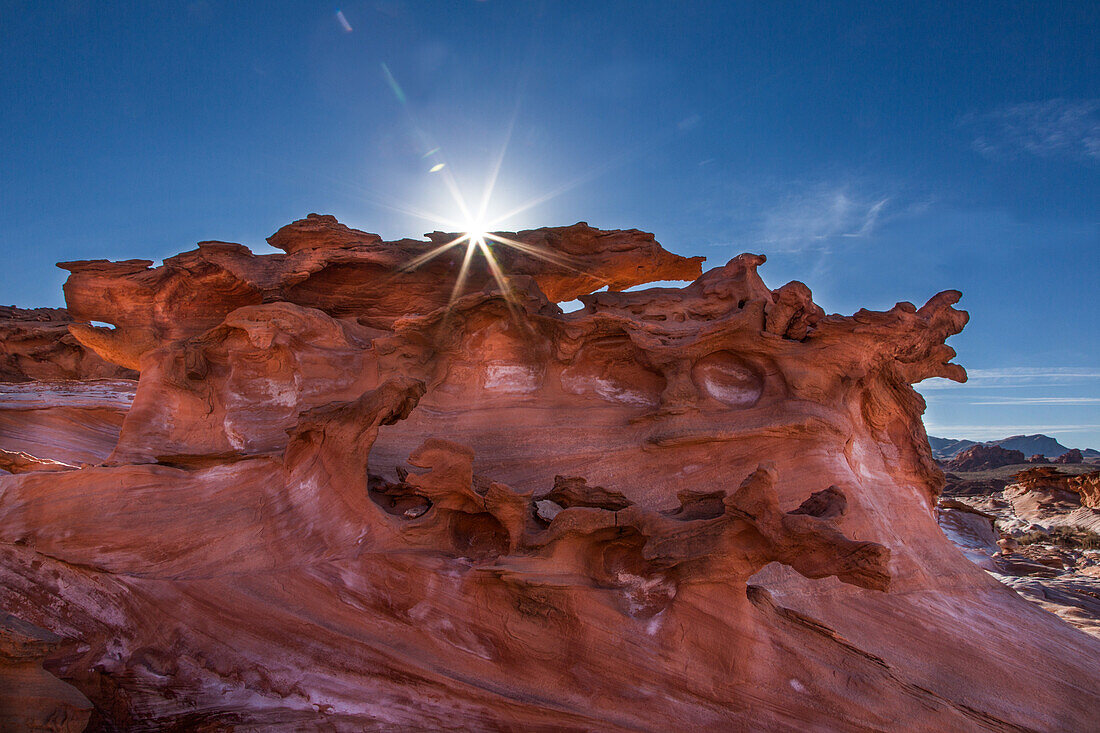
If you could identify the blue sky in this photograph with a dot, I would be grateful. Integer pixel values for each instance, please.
(876, 151)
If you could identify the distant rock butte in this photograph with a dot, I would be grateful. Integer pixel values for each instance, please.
(1029, 444)
(342, 500)
(984, 457)
(946, 448)
(1069, 457)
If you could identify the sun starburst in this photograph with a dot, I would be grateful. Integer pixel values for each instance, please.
(478, 240)
(477, 236)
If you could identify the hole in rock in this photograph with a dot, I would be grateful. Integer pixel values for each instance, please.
(397, 499)
(102, 324)
(622, 556)
(827, 504)
(478, 536)
(570, 306)
(618, 563)
(544, 511)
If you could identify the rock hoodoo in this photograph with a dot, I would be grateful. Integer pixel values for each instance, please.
(347, 496)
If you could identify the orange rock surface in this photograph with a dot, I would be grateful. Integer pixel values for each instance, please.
(347, 498)
(1050, 479)
(67, 421)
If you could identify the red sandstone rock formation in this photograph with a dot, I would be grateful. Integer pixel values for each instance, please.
(36, 344)
(71, 422)
(984, 457)
(341, 272)
(342, 500)
(1047, 478)
(1046, 549)
(20, 462)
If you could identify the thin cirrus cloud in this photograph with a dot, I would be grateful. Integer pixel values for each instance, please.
(1052, 128)
(1028, 401)
(985, 388)
(812, 219)
(1017, 377)
(994, 432)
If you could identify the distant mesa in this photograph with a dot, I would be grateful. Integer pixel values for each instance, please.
(946, 448)
(1029, 444)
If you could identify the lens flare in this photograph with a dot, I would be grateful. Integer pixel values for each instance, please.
(477, 235)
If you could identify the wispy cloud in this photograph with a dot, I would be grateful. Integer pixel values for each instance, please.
(993, 432)
(810, 219)
(1051, 128)
(1016, 377)
(1029, 401)
(869, 220)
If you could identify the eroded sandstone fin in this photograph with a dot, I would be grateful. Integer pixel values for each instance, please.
(319, 231)
(343, 432)
(345, 272)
